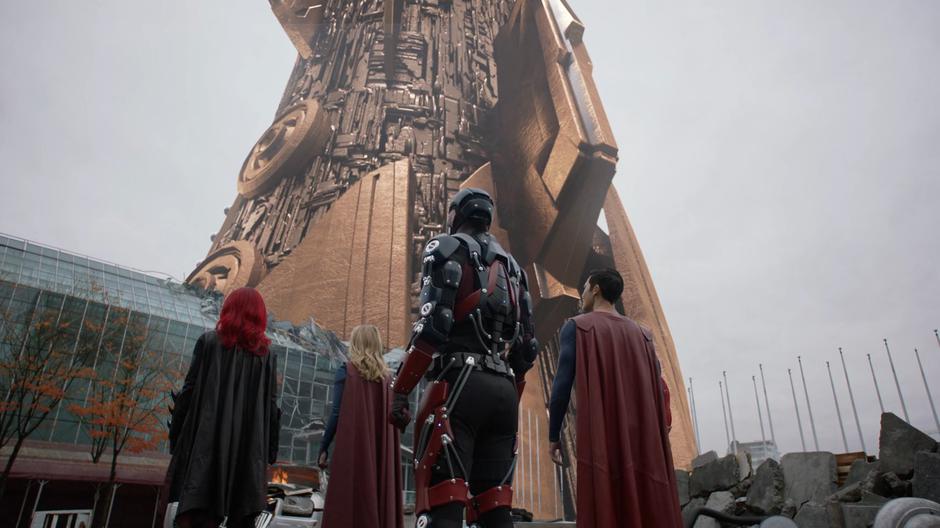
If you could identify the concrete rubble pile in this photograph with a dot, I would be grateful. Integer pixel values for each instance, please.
(804, 486)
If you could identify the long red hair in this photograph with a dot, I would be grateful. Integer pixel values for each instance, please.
(243, 321)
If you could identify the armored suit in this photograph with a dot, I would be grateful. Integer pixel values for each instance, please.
(474, 342)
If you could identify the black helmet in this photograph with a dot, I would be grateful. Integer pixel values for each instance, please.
(471, 204)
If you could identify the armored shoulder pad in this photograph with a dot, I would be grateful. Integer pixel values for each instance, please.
(441, 247)
(473, 246)
(515, 270)
(494, 250)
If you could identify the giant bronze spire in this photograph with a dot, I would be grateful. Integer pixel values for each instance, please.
(392, 106)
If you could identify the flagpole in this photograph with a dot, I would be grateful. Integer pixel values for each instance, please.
(796, 407)
(688, 392)
(858, 425)
(760, 418)
(770, 420)
(875, 379)
(897, 383)
(734, 435)
(698, 434)
(927, 387)
(809, 408)
(845, 442)
(724, 413)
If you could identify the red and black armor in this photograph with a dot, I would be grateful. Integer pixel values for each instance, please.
(475, 320)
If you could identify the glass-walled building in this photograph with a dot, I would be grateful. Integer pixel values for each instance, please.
(101, 305)
(91, 294)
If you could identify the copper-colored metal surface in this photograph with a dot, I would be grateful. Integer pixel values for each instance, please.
(232, 266)
(423, 97)
(356, 266)
(556, 155)
(284, 148)
(390, 109)
(301, 21)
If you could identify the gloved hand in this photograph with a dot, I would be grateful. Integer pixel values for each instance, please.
(401, 413)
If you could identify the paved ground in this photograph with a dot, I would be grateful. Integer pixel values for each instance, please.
(410, 522)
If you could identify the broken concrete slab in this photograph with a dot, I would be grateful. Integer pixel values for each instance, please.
(859, 515)
(850, 493)
(704, 458)
(719, 475)
(813, 515)
(899, 442)
(896, 486)
(859, 470)
(926, 482)
(741, 488)
(689, 510)
(875, 483)
(720, 501)
(808, 475)
(871, 498)
(766, 493)
(789, 508)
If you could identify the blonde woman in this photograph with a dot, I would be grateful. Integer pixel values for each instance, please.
(365, 487)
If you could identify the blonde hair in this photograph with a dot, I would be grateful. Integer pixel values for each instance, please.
(365, 352)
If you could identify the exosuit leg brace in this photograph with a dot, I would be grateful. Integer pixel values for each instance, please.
(435, 439)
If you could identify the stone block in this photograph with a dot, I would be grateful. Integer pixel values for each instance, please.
(719, 475)
(899, 442)
(777, 521)
(896, 486)
(926, 482)
(859, 515)
(689, 510)
(871, 498)
(741, 488)
(720, 501)
(808, 475)
(766, 493)
(682, 482)
(859, 470)
(812, 515)
(704, 458)
(850, 493)
(875, 484)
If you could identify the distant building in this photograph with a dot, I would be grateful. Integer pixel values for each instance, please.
(55, 466)
(759, 451)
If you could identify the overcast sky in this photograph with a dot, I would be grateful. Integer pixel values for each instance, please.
(780, 162)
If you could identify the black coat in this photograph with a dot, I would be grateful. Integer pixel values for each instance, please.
(224, 431)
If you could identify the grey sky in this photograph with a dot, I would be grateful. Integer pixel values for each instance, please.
(780, 162)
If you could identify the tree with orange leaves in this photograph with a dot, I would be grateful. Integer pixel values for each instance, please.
(38, 362)
(127, 404)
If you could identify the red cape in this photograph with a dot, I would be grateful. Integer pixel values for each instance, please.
(365, 485)
(625, 475)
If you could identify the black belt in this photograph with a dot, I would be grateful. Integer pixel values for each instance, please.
(479, 361)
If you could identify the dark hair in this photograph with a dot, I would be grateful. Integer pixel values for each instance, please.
(243, 321)
(609, 281)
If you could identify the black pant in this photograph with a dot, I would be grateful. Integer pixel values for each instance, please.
(203, 519)
(484, 420)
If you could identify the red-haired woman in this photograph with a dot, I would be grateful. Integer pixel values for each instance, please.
(224, 428)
